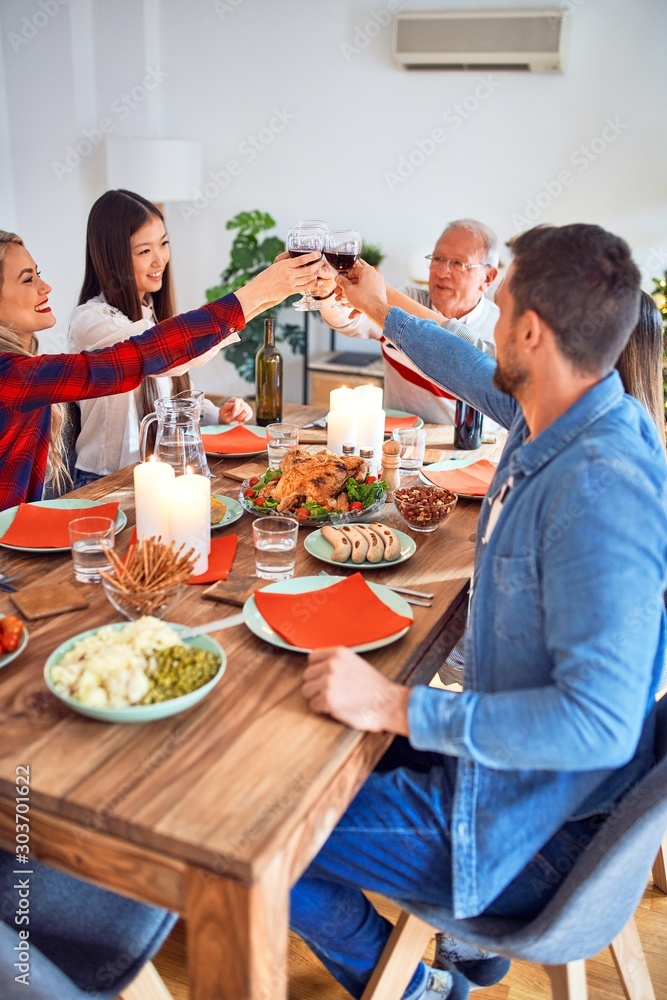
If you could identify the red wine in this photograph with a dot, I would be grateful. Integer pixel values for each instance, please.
(298, 253)
(268, 379)
(341, 260)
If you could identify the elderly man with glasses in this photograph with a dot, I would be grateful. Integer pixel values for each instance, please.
(463, 265)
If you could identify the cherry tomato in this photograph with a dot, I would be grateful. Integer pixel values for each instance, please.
(253, 481)
(302, 513)
(11, 630)
(259, 501)
(250, 494)
(356, 505)
(371, 479)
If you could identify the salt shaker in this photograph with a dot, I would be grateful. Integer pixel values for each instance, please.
(369, 455)
(391, 461)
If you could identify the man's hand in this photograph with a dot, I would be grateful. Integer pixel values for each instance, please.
(234, 411)
(366, 289)
(339, 683)
(286, 276)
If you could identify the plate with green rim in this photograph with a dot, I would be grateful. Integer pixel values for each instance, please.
(400, 413)
(68, 503)
(223, 428)
(6, 658)
(304, 585)
(318, 546)
(233, 513)
(449, 465)
(136, 713)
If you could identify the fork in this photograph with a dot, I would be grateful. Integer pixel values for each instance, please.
(6, 584)
(405, 594)
(322, 422)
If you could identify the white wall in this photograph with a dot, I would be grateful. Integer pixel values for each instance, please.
(227, 66)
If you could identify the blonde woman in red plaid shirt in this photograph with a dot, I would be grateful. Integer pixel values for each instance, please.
(32, 386)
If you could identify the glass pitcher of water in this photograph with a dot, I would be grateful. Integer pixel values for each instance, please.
(178, 437)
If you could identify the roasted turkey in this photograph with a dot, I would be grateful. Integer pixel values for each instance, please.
(319, 477)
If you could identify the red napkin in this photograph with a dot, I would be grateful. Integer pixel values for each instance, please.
(396, 423)
(220, 559)
(237, 441)
(36, 527)
(347, 613)
(474, 480)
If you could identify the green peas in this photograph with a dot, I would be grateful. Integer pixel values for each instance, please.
(179, 670)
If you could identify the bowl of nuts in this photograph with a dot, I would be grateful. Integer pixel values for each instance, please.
(424, 508)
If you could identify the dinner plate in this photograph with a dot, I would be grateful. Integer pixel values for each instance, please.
(6, 658)
(319, 547)
(221, 428)
(303, 585)
(334, 517)
(8, 515)
(233, 513)
(448, 466)
(137, 713)
(403, 413)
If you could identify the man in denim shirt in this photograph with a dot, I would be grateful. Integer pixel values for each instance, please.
(501, 784)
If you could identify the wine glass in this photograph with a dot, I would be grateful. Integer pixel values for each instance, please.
(342, 249)
(304, 239)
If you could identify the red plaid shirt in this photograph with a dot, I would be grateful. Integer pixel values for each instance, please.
(28, 385)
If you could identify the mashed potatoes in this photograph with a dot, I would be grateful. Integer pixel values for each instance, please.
(109, 669)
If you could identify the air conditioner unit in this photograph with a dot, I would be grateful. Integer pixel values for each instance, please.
(480, 40)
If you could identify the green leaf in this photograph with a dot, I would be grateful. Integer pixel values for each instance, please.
(271, 247)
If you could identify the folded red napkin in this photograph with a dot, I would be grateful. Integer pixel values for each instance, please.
(347, 613)
(237, 441)
(474, 480)
(36, 527)
(220, 559)
(396, 423)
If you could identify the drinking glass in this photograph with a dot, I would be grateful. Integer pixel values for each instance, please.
(275, 547)
(280, 438)
(413, 444)
(303, 239)
(90, 539)
(342, 249)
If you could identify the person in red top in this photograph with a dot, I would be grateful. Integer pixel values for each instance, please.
(32, 386)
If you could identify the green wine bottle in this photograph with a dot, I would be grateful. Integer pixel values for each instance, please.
(268, 379)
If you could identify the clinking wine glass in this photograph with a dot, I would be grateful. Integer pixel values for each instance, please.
(304, 239)
(342, 249)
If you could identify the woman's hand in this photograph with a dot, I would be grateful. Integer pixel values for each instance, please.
(339, 683)
(286, 276)
(366, 290)
(234, 411)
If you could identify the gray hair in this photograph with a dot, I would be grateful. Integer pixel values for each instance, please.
(485, 233)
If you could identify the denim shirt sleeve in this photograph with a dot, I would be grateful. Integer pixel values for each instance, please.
(445, 357)
(601, 579)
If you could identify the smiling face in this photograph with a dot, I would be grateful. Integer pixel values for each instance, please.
(149, 248)
(452, 294)
(24, 305)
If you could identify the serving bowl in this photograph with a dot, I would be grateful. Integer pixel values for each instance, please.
(157, 602)
(315, 521)
(424, 508)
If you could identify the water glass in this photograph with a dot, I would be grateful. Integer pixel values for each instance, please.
(413, 444)
(275, 547)
(280, 438)
(90, 539)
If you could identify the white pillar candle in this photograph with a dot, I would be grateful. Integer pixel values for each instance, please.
(190, 517)
(152, 481)
(341, 399)
(341, 429)
(370, 431)
(368, 396)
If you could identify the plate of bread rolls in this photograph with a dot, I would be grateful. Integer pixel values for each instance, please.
(367, 546)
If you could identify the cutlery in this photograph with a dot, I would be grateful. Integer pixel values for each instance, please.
(214, 626)
(6, 584)
(411, 596)
(322, 422)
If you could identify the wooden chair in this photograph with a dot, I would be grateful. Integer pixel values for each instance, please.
(147, 986)
(592, 909)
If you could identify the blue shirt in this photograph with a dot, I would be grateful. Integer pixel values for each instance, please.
(566, 633)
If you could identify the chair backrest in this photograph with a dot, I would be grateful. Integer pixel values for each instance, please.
(602, 890)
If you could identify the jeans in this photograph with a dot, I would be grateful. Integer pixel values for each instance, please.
(395, 839)
(82, 478)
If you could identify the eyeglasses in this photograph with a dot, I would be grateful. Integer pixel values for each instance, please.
(457, 266)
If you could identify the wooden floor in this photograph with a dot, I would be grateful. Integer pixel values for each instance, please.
(309, 979)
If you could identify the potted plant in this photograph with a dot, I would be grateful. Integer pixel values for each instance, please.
(250, 253)
(372, 253)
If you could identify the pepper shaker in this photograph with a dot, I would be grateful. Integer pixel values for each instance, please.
(391, 461)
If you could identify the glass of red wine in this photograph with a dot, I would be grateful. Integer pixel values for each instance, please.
(305, 238)
(342, 249)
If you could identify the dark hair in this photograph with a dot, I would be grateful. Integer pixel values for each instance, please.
(114, 219)
(582, 281)
(640, 363)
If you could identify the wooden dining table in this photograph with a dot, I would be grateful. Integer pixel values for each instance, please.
(215, 812)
